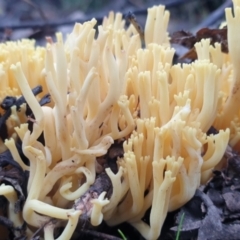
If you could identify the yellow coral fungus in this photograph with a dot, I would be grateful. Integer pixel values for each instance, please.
(108, 88)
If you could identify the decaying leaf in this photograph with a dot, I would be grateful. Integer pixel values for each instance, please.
(188, 40)
(12, 174)
(232, 200)
(10, 101)
(214, 212)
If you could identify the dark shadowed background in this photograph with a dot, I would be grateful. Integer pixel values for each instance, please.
(36, 19)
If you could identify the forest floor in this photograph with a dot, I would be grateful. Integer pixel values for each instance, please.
(220, 198)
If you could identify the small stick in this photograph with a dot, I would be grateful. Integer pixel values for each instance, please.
(133, 20)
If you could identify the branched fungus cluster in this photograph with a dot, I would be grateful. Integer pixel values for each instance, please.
(107, 88)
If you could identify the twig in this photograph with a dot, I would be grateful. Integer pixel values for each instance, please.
(132, 19)
(98, 17)
(34, 5)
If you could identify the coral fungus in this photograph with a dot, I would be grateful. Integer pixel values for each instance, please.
(109, 88)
